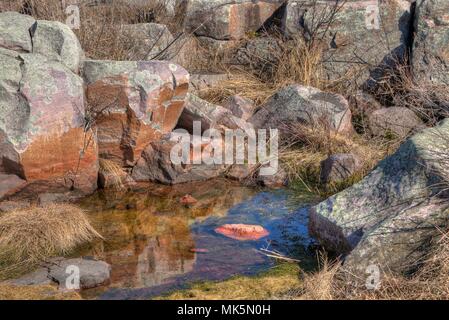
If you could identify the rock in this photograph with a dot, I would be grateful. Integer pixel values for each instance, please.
(93, 273)
(240, 172)
(37, 277)
(228, 19)
(360, 42)
(116, 179)
(156, 165)
(136, 103)
(296, 104)
(242, 232)
(45, 199)
(387, 218)
(15, 31)
(261, 53)
(147, 41)
(188, 200)
(6, 206)
(57, 41)
(278, 180)
(430, 58)
(42, 123)
(396, 121)
(10, 184)
(339, 167)
(201, 82)
(209, 115)
(240, 107)
(199, 250)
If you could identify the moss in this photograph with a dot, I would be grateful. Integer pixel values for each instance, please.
(270, 284)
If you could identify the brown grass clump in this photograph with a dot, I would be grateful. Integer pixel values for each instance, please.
(114, 171)
(29, 236)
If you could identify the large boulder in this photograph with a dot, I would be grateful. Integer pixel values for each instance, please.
(156, 165)
(133, 104)
(388, 217)
(431, 42)
(209, 116)
(305, 105)
(9, 184)
(42, 125)
(228, 19)
(52, 39)
(57, 41)
(362, 37)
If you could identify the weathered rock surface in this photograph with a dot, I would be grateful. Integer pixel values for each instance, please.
(10, 184)
(209, 116)
(431, 42)
(240, 107)
(157, 165)
(42, 123)
(135, 102)
(6, 206)
(305, 105)
(93, 273)
(57, 41)
(206, 81)
(261, 53)
(396, 121)
(15, 31)
(364, 37)
(228, 19)
(387, 218)
(339, 167)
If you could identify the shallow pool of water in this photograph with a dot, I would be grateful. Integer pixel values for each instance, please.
(154, 244)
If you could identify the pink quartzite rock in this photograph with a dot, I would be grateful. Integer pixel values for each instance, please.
(242, 232)
(43, 135)
(135, 103)
(228, 19)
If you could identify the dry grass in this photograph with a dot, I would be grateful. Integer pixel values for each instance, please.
(430, 282)
(41, 292)
(114, 171)
(29, 236)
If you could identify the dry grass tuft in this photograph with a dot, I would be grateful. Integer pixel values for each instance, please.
(114, 170)
(29, 236)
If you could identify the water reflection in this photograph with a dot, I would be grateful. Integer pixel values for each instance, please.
(155, 244)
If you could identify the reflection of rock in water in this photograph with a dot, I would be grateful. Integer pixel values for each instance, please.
(162, 259)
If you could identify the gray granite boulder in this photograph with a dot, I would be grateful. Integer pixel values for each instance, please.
(362, 37)
(431, 43)
(387, 218)
(304, 105)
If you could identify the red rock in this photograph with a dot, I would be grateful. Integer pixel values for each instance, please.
(10, 184)
(137, 103)
(242, 232)
(188, 200)
(43, 137)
